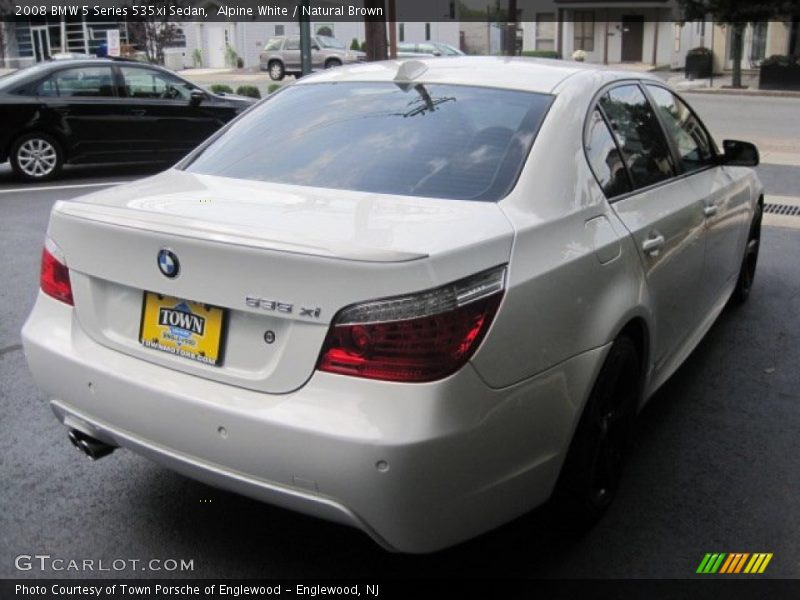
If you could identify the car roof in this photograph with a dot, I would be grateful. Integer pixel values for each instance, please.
(518, 73)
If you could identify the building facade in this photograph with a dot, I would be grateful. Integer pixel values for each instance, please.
(35, 40)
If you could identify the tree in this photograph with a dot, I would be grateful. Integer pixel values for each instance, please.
(5, 9)
(153, 33)
(736, 14)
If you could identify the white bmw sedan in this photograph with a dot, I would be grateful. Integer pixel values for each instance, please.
(420, 298)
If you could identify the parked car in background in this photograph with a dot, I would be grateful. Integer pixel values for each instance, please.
(409, 49)
(103, 111)
(419, 297)
(281, 55)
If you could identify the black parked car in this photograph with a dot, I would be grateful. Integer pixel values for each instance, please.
(101, 111)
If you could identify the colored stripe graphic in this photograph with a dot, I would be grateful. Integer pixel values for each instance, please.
(734, 563)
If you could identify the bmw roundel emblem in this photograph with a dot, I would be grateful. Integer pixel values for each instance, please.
(168, 263)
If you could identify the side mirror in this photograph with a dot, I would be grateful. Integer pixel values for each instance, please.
(740, 154)
(196, 97)
(437, 53)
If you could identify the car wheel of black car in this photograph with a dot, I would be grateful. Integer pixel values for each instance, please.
(748, 271)
(333, 62)
(36, 157)
(276, 70)
(591, 473)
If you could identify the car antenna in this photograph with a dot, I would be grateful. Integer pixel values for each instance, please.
(409, 70)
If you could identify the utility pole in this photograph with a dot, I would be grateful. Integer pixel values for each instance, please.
(305, 38)
(392, 29)
(511, 29)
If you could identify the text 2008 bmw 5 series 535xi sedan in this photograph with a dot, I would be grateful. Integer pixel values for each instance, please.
(417, 297)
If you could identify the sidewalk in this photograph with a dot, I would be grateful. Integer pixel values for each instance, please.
(720, 84)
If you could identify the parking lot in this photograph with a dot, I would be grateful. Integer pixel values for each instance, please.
(714, 468)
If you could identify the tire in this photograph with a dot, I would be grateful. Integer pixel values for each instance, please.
(747, 272)
(276, 70)
(592, 469)
(36, 157)
(333, 62)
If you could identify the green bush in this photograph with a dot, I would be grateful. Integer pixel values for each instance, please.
(354, 45)
(272, 87)
(364, 46)
(221, 88)
(541, 53)
(248, 90)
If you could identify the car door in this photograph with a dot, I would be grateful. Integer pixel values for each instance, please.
(664, 215)
(163, 121)
(85, 108)
(291, 54)
(725, 193)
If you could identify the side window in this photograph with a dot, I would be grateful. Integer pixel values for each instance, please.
(604, 157)
(695, 148)
(639, 135)
(142, 83)
(293, 43)
(79, 82)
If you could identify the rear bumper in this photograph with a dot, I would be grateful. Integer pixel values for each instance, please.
(417, 467)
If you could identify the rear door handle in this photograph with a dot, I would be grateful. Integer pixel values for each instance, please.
(138, 112)
(653, 244)
(710, 210)
(62, 110)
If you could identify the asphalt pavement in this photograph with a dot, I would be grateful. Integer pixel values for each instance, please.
(714, 468)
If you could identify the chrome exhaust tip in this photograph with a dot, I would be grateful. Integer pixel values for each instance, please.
(94, 449)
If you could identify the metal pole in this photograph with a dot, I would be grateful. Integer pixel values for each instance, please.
(305, 38)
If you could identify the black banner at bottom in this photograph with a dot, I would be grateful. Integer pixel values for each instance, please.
(553, 589)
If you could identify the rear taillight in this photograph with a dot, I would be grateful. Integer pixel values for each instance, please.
(414, 338)
(54, 279)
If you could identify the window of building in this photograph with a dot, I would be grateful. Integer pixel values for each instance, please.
(545, 31)
(280, 30)
(676, 32)
(758, 45)
(639, 135)
(401, 32)
(584, 30)
(427, 31)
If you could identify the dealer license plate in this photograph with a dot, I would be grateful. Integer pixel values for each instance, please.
(183, 328)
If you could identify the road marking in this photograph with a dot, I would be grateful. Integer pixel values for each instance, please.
(771, 220)
(61, 187)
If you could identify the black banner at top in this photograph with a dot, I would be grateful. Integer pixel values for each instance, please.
(328, 10)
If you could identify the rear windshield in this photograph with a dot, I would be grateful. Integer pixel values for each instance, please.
(441, 141)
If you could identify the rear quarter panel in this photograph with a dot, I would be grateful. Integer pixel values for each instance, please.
(17, 115)
(574, 279)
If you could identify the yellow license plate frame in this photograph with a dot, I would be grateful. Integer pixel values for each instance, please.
(184, 328)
